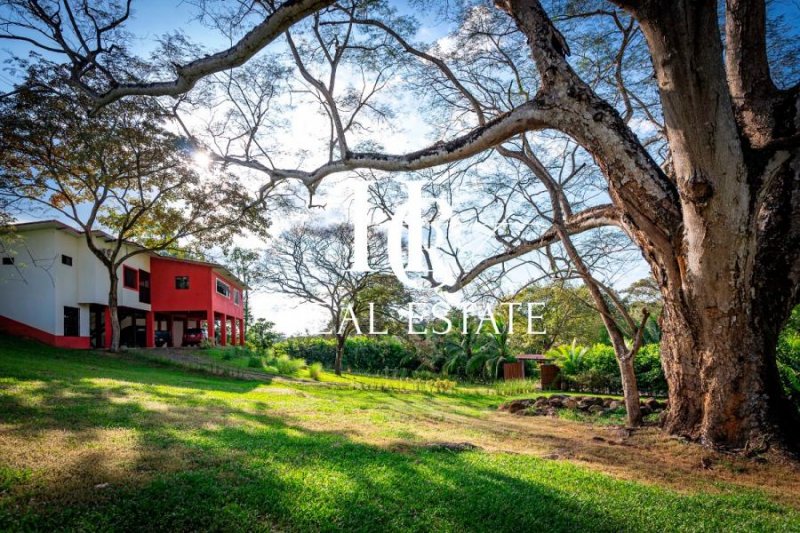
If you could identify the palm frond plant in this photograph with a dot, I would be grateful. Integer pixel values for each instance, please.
(571, 358)
(496, 350)
(460, 349)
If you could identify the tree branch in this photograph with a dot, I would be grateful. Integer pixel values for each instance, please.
(591, 218)
(289, 13)
(747, 67)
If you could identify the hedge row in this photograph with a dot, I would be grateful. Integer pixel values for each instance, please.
(362, 354)
(599, 372)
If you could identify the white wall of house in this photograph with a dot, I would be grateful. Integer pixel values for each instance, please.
(66, 279)
(94, 283)
(36, 288)
(28, 287)
(129, 297)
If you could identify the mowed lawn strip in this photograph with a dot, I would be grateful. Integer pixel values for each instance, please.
(94, 442)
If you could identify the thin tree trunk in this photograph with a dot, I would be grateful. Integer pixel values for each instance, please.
(113, 307)
(337, 364)
(630, 390)
(624, 357)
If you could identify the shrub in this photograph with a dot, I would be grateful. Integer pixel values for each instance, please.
(601, 357)
(287, 365)
(570, 357)
(649, 374)
(596, 368)
(444, 385)
(315, 371)
(789, 364)
(426, 375)
(597, 379)
(255, 362)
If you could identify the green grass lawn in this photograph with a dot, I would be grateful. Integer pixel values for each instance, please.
(93, 442)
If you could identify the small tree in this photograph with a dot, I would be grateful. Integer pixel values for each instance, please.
(244, 263)
(313, 264)
(120, 171)
(262, 335)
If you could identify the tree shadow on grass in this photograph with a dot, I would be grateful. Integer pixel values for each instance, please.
(24, 360)
(215, 466)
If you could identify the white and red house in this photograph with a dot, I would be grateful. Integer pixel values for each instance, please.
(53, 288)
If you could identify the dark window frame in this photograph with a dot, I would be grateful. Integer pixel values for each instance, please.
(66, 260)
(132, 286)
(144, 290)
(227, 293)
(237, 296)
(72, 321)
(179, 283)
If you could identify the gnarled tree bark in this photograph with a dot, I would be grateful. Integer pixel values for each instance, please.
(737, 250)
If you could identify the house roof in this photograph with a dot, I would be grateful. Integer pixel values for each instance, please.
(45, 224)
(218, 268)
(57, 224)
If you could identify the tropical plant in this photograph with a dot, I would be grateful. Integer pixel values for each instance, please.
(570, 357)
(460, 348)
(494, 350)
(789, 356)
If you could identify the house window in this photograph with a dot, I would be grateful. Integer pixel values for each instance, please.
(182, 282)
(130, 278)
(72, 321)
(8, 260)
(66, 260)
(223, 289)
(144, 287)
(236, 296)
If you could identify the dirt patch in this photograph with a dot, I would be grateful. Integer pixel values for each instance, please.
(452, 446)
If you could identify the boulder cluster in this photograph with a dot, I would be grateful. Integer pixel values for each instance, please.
(549, 405)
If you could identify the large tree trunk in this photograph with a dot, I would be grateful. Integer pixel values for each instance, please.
(736, 251)
(724, 387)
(719, 223)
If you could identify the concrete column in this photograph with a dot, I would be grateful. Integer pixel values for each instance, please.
(233, 331)
(223, 330)
(149, 330)
(210, 320)
(241, 332)
(107, 327)
(169, 329)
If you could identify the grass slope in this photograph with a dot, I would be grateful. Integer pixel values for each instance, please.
(93, 442)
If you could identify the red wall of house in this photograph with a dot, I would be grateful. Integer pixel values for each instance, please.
(164, 295)
(201, 294)
(19, 329)
(223, 304)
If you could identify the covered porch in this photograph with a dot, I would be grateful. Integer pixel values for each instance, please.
(176, 323)
(136, 327)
